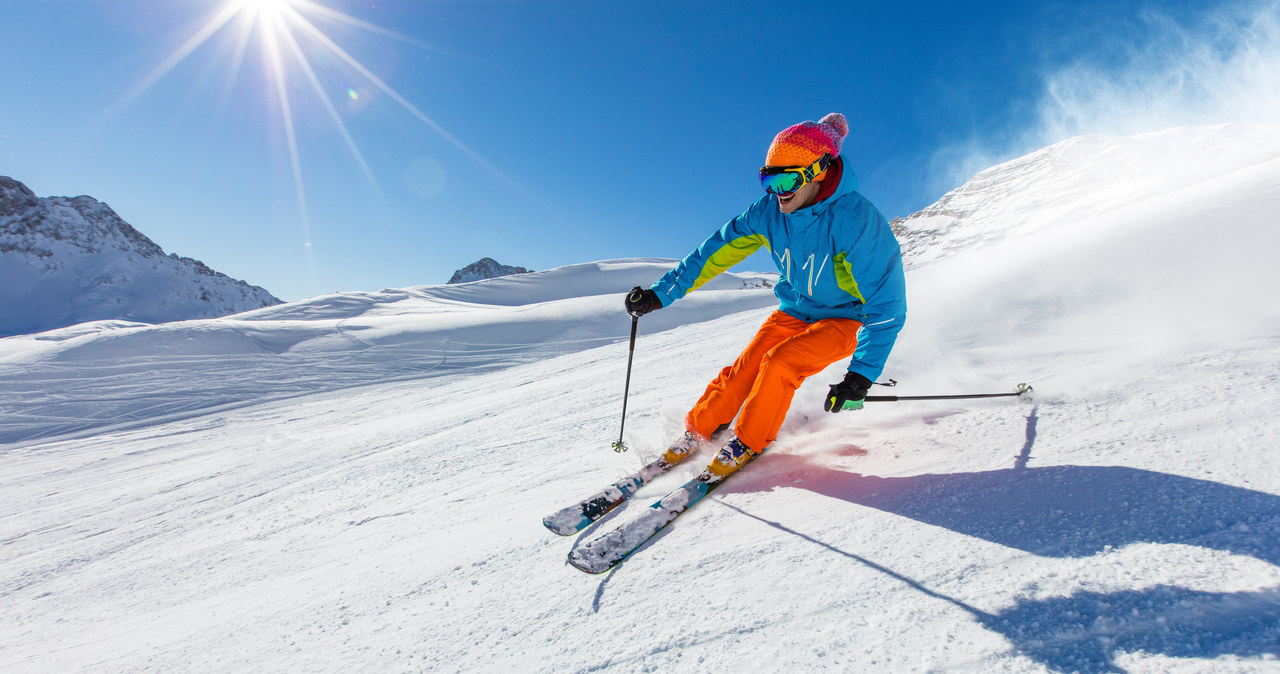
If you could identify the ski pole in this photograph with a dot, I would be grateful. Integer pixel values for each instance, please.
(1023, 391)
(621, 446)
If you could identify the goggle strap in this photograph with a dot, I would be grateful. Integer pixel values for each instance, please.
(821, 164)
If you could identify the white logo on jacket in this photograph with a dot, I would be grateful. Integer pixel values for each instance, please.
(784, 262)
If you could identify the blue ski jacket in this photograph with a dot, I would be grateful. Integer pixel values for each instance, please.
(837, 258)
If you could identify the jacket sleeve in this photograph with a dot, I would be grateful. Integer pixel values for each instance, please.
(874, 272)
(727, 246)
(875, 341)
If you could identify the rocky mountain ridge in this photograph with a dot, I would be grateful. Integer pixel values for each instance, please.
(485, 268)
(69, 260)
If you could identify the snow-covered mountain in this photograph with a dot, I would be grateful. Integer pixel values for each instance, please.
(1078, 179)
(65, 261)
(356, 482)
(484, 268)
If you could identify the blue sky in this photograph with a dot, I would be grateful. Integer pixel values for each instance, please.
(551, 133)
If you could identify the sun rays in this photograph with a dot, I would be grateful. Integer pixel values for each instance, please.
(306, 69)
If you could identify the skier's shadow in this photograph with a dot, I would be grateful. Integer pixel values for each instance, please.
(1072, 511)
(1079, 511)
(1083, 632)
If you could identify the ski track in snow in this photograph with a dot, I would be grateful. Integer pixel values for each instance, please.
(217, 507)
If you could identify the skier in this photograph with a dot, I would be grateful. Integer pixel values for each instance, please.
(841, 294)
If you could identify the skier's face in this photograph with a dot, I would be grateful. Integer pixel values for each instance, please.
(800, 198)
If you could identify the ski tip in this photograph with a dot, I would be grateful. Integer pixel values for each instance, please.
(557, 524)
(588, 563)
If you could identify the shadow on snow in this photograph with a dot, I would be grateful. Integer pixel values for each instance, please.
(1084, 631)
(1079, 511)
(1072, 511)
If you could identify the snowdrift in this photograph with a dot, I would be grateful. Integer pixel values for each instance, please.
(113, 373)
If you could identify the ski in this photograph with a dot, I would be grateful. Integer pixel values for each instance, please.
(610, 549)
(577, 517)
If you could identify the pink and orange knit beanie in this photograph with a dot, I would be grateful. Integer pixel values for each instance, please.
(804, 143)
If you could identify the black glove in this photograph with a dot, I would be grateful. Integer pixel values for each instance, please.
(851, 391)
(640, 301)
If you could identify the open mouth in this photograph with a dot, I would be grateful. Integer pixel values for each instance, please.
(787, 199)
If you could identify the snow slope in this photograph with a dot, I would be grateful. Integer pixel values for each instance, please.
(1080, 178)
(110, 374)
(1127, 520)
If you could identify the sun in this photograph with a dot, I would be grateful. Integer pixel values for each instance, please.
(286, 33)
(289, 36)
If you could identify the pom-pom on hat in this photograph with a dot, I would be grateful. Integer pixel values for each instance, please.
(803, 143)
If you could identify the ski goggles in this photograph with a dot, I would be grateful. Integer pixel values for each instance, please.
(785, 180)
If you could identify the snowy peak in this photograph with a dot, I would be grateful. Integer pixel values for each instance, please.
(66, 260)
(484, 268)
(1077, 179)
(32, 225)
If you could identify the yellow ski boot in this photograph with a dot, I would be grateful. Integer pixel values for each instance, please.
(683, 447)
(730, 459)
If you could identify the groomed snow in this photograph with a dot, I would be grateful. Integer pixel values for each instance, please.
(356, 482)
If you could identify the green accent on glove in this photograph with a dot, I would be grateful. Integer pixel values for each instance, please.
(852, 405)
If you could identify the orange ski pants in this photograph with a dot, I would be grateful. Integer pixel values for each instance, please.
(761, 383)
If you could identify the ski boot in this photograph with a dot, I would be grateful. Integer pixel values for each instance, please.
(730, 459)
(687, 444)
